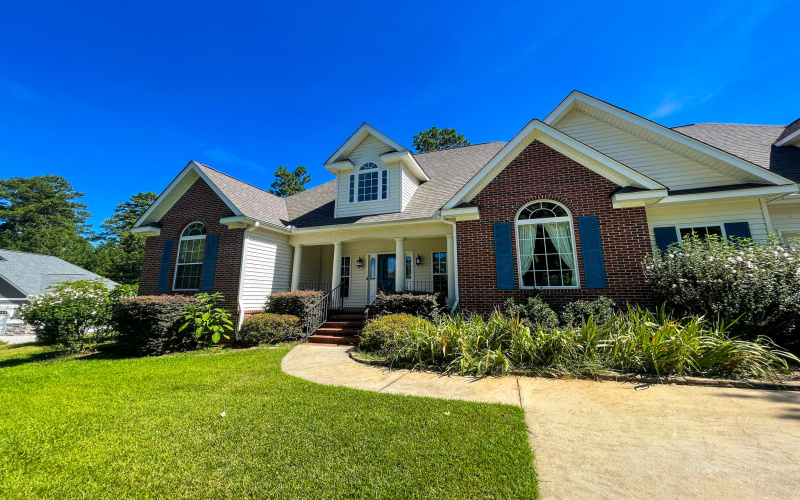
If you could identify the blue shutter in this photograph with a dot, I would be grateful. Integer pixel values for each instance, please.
(209, 261)
(665, 236)
(166, 260)
(503, 257)
(737, 230)
(593, 268)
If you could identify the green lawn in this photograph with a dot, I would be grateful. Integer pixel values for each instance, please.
(150, 428)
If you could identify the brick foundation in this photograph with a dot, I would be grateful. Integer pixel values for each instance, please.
(199, 204)
(541, 173)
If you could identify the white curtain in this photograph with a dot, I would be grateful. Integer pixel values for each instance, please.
(526, 234)
(561, 237)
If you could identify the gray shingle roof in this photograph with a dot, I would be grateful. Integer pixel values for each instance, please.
(790, 129)
(33, 273)
(250, 200)
(448, 170)
(753, 143)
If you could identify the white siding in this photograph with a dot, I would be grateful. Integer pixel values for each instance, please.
(664, 166)
(369, 150)
(309, 266)
(409, 187)
(709, 213)
(267, 268)
(785, 217)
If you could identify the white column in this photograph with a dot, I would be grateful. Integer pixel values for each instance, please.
(451, 271)
(296, 264)
(337, 265)
(400, 258)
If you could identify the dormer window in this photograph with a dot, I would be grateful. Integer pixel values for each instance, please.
(364, 185)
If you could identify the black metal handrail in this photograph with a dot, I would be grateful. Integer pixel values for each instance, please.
(317, 314)
(418, 286)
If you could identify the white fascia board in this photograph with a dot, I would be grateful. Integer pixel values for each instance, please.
(339, 166)
(146, 230)
(791, 138)
(461, 214)
(364, 128)
(638, 199)
(408, 160)
(192, 166)
(736, 193)
(242, 221)
(544, 131)
(656, 128)
(789, 199)
(365, 225)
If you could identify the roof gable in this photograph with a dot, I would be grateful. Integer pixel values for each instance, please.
(538, 131)
(356, 138)
(689, 147)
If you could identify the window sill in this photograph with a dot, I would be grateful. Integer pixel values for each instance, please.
(550, 287)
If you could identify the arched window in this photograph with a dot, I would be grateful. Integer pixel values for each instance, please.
(368, 182)
(546, 246)
(191, 251)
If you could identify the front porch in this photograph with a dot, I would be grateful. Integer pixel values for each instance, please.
(363, 267)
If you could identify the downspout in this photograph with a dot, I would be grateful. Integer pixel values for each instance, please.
(455, 258)
(241, 277)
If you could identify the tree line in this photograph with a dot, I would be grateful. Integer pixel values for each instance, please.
(45, 215)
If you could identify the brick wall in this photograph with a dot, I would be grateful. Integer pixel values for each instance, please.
(541, 173)
(199, 203)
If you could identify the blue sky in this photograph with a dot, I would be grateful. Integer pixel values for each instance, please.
(117, 98)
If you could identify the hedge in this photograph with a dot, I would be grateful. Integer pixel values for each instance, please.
(422, 304)
(148, 325)
(377, 336)
(292, 303)
(270, 329)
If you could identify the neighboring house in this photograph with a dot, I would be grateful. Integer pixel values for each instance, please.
(571, 204)
(24, 274)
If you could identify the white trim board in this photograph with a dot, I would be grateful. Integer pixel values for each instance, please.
(536, 130)
(356, 137)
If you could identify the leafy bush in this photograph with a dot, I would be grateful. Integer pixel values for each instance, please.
(208, 322)
(638, 341)
(293, 303)
(534, 312)
(578, 311)
(121, 291)
(270, 329)
(378, 334)
(757, 283)
(422, 304)
(150, 325)
(65, 315)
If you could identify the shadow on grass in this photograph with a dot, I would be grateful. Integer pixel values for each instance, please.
(109, 350)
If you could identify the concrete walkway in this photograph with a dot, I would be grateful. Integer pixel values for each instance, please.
(607, 440)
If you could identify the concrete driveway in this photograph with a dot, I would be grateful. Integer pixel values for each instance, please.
(609, 440)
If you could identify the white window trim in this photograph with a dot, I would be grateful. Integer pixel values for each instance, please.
(350, 275)
(529, 222)
(721, 227)
(433, 274)
(354, 176)
(178, 254)
(791, 229)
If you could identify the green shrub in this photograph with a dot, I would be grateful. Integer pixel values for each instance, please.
(65, 315)
(209, 323)
(379, 333)
(421, 304)
(293, 303)
(150, 325)
(578, 311)
(533, 312)
(757, 283)
(270, 329)
(638, 341)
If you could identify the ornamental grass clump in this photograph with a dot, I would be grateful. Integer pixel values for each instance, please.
(757, 285)
(635, 341)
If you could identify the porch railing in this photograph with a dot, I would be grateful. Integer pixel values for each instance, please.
(317, 314)
(418, 286)
(322, 287)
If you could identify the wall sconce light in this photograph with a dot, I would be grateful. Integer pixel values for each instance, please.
(419, 260)
(360, 262)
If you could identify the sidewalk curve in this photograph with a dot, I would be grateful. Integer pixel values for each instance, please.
(610, 440)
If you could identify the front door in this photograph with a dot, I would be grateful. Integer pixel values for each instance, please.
(387, 269)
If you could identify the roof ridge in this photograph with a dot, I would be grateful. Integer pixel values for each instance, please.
(33, 253)
(721, 123)
(238, 180)
(459, 147)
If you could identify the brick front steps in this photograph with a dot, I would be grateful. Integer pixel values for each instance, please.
(342, 328)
